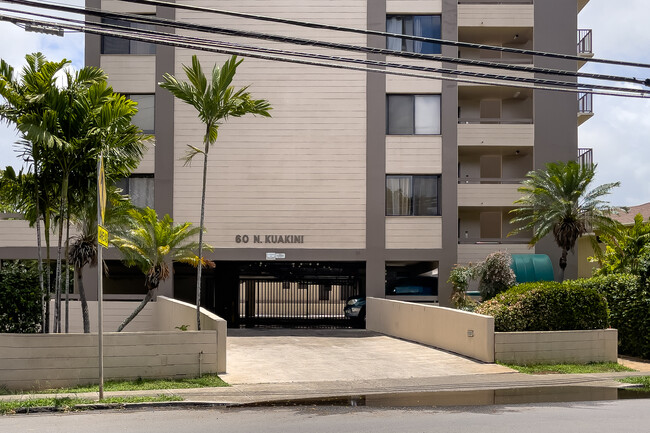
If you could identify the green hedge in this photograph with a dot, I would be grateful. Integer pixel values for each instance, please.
(628, 297)
(547, 306)
(20, 298)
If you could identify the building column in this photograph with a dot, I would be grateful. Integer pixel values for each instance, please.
(556, 131)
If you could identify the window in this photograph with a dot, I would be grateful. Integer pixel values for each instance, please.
(427, 26)
(140, 188)
(114, 45)
(412, 195)
(413, 114)
(144, 118)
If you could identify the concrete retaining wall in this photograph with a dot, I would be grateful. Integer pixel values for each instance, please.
(600, 345)
(38, 361)
(150, 346)
(114, 314)
(440, 327)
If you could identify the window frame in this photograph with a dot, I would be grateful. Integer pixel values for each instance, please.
(126, 182)
(413, 121)
(435, 48)
(412, 200)
(129, 24)
(130, 95)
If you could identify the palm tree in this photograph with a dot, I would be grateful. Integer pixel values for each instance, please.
(557, 200)
(626, 248)
(215, 101)
(24, 97)
(83, 250)
(149, 243)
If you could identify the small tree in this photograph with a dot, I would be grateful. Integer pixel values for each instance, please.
(215, 100)
(558, 200)
(495, 275)
(20, 298)
(459, 278)
(149, 244)
(625, 248)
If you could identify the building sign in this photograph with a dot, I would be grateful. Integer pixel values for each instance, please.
(275, 256)
(270, 239)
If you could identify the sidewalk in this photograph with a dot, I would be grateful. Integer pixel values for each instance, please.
(266, 392)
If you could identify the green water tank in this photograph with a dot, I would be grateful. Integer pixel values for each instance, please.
(532, 267)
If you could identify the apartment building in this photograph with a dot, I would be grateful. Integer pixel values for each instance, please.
(359, 177)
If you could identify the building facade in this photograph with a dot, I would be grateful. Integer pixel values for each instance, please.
(359, 177)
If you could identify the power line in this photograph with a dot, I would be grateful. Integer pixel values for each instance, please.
(301, 41)
(161, 37)
(380, 33)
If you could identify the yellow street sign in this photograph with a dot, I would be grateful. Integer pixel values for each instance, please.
(102, 236)
(101, 190)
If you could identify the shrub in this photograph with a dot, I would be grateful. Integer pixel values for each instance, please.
(628, 297)
(547, 306)
(20, 298)
(495, 274)
(459, 278)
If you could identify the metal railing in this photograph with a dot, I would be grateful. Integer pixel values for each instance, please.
(585, 103)
(495, 2)
(493, 241)
(489, 180)
(584, 41)
(585, 156)
(493, 121)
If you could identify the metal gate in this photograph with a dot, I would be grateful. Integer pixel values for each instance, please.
(295, 303)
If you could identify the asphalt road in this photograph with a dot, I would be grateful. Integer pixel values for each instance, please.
(593, 417)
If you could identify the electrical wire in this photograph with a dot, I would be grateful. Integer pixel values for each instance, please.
(381, 33)
(360, 61)
(178, 41)
(152, 20)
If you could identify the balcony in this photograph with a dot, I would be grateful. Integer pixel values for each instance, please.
(488, 192)
(475, 251)
(585, 156)
(585, 107)
(496, 133)
(585, 47)
(491, 13)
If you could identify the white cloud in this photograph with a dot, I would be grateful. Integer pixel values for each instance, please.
(619, 132)
(16, 44)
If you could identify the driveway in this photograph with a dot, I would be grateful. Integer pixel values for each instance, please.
(313, 355)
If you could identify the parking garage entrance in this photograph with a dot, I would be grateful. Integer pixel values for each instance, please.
(289, 294)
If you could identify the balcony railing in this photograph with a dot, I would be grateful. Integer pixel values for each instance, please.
(493, 121)
(584, 41)
(489, 180)
(585, 103)
(493, 241)
(585, 156)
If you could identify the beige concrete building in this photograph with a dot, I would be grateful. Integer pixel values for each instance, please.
(359, 177)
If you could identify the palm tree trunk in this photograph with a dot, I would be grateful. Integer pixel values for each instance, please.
(48, 263)
(57, 281)
(144, 302)
(67, 273)
(563, 258)
(78, 272)
(200, 265)
(39, 252)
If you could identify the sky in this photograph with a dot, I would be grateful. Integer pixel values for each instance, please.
(619, 132)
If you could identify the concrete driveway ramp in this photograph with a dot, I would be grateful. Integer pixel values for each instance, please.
(313, 355)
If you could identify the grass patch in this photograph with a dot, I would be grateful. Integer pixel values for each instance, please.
(638, 380)
(594, 367)
(71, 404)
(206, 381)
